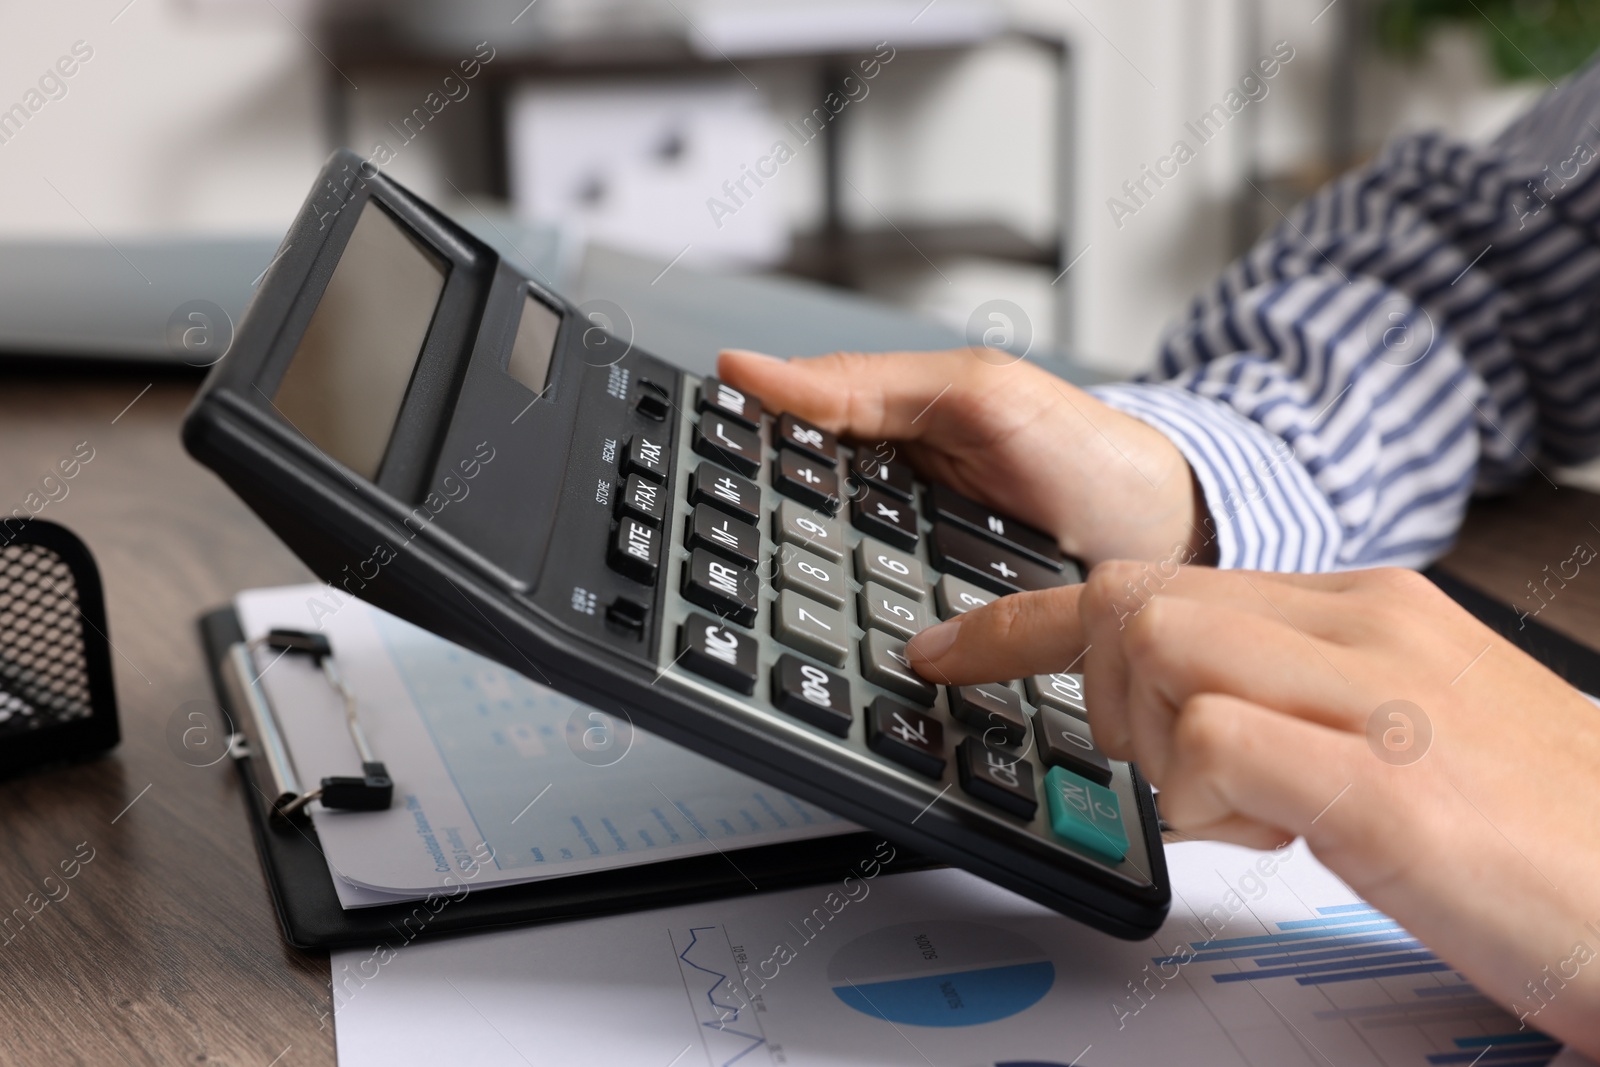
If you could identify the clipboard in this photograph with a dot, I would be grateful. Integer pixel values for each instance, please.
(311, 917)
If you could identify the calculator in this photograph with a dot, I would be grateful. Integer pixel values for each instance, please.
(438, 434)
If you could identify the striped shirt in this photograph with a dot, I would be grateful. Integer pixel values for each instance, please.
(1424, 328)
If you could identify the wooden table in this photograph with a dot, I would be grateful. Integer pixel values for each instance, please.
(166, 949)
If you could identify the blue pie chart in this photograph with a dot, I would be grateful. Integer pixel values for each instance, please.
(941, 973)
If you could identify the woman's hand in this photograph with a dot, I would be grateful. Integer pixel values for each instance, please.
(1006, 433)
(1447, 777)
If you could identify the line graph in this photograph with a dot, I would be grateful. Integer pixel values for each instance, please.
(725, 1016)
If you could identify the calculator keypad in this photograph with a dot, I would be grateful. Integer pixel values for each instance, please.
(815, 563)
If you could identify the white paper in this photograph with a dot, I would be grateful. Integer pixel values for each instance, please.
(488, 789)
(936, 967)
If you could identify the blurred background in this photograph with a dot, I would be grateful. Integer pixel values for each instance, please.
(937, 154)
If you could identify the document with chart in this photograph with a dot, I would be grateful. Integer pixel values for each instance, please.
(497, 778)
(1267, 960)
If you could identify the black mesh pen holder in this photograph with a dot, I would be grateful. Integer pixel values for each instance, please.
(56, 695)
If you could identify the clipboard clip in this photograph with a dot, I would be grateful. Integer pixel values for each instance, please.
(373, 790)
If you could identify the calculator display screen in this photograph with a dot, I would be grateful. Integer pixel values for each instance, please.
(348, 378)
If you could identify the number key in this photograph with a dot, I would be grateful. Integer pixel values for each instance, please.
(911, 738)
(993, 709)
(808, 573)
(1065, 741)
(956, 597)
(812, 628)
(812, 695)
(884, 663)
(795, 524)
(884, 609)
(1063, 691)
(877, 562)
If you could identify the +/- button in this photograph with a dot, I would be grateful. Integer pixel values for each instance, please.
(911, 738)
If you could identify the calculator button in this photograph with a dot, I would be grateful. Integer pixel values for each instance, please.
(884, 609)
(966, 555)
(884, 663)
(953, 597)
(808, 573)
(725, 588)
(720, 398)
(869, 470)
(733, 494)
(804, 478)
(910, 737)
(635, 551)
(795, 524)
(812, 695)
(1085, 814)
(727, 537)
(877, 562)
(994, 710)
(885, 517)
(812, 628)
(643, 499)
(1062, 691)
(646, 455)
(726, 442)
(1064, 741)
(718, 652)
(997, 777)
(814, 441)
(942, 502)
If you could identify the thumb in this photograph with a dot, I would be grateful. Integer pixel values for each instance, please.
(1013, 637)
(866, 395)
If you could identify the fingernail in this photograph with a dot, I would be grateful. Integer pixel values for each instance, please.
(931, 644)
(751, 354)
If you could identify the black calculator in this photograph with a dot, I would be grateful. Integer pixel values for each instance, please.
(440, 435)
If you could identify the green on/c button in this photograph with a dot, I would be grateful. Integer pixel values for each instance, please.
(1085, 814)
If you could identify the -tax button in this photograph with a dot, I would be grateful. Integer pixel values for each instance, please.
(1085, 815)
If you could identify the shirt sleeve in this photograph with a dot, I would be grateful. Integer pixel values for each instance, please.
(1425, 327)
